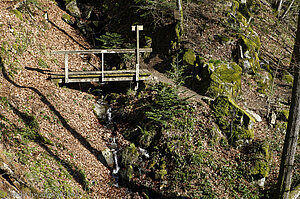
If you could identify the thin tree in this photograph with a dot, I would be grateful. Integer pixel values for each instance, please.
(280, 2)
(287, 10)
(292, 132)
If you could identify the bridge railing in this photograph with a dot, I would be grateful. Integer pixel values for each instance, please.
(102, 52)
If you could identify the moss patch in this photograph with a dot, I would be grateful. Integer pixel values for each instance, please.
(288, 78)
(189, 57)
(67, 19)
(17, 13)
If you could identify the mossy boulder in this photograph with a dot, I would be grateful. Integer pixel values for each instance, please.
(233, 121)
(261, 160)
(189, 57)
(129, 161)
(220, 78)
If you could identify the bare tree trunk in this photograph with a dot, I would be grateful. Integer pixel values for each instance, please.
(280, 6)
(181, 14)
(292, 132)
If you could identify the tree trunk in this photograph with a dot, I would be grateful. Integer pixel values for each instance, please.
(179, 2)
(292, 132)
(287, 10)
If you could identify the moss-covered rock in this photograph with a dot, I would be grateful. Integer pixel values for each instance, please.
(261, 157)
(235, 122)
(141, 137)
(248, 40)
(129, 155)
(219, 78)
(189, 57)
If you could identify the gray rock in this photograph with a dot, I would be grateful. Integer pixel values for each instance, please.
(108, 156)
(100, 110)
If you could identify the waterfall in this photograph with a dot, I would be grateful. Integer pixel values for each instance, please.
(109, 115)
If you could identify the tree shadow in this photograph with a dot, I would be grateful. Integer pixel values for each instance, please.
(38, 70)
(63, 31)
(75, 134)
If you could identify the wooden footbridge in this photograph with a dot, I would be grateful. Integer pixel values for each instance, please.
(103, 75)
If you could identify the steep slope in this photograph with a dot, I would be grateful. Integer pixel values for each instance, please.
(70, 160)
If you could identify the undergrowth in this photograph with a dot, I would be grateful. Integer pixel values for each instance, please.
(181, 162)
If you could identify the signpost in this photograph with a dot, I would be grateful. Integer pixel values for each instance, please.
(137, 28)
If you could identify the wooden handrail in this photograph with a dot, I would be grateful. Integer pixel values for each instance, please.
(98, 51)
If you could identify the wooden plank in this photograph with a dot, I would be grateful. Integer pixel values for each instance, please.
(97, 51)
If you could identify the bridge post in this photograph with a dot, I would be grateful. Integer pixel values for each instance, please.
(102, 67)
(66, 68)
